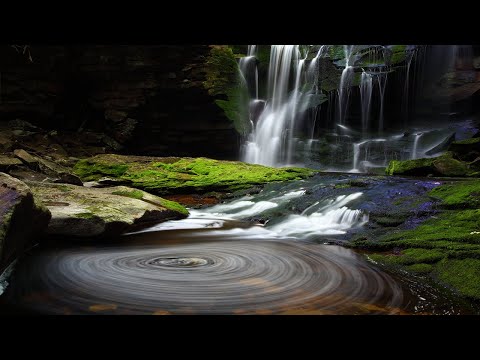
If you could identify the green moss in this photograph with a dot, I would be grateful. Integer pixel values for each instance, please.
(458, 195)
(446, 246)
(134, 194)
(444, 165)
(90, 171)
(450, 225)
(410, 256)
(223, 79)
(188, 175)
(420, 268)
(336, 52)
(463, 275)
(409, 167)
(174, 206)
(63, 188)
(86, 215)
(389, 221)
(221, 70)
(448, 166)
(399, 54)
(467, 141)
(263, 54)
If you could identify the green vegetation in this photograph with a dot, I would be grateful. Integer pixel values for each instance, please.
(462, 275)
(398, 54)
(420, 268)
(409, 167)
(223, 79)
(134, 194)
(173, 206)
(444, 165)
(447, 246)
(85, 215)
(98, 170)
(467, 141)
(459, 195)
(63, 188)
(336, 52)
(185, 175)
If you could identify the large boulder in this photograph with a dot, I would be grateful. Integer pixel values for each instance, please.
(82, 212)
(22, 219)
(466, 150)
(174, 175)
(445, 165)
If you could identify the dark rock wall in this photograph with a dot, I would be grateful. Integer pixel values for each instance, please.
(149, 99)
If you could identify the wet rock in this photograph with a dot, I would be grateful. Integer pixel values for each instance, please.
(104, 182)
(124, 131)
(6, 142)
(59, 172)
(29, 175)
(88, 212)
(26, 158)
(112, 143)
(443, 146)
(417, 167)
(445, 165)
(466, 150)
(7, 162)
(115, 115)
(475, 164)
(22, 219)
(19, 124)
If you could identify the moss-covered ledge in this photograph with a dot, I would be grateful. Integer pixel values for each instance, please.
(444, 165)
(445, 247)
(173, 175)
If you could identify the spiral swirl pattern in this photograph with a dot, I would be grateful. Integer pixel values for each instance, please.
(214, 277)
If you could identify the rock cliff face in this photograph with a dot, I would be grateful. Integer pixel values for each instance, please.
(147, 99)
(22, 219)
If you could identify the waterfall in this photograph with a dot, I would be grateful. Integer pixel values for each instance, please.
(289, 125)
(382, 85)
(415, 145)
(345, 83)
(356, 155)
(271, 141)
(366, 87)
(249, 70)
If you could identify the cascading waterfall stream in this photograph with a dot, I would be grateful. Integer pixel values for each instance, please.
(382, 85)
(345, 83)
(289, 127)
(270, 141)
(415, 145)
(366, 88)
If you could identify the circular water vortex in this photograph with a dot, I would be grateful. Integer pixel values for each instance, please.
(216, 277)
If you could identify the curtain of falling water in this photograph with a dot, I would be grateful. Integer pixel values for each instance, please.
(270, 141)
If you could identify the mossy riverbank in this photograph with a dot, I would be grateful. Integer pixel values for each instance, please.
(172, 175)
(445, 247)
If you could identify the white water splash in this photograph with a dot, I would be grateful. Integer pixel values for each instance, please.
(329, 217)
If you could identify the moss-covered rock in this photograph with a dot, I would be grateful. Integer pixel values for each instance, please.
(417, 167)
(466, 150)
(91, 212)
(444, 165)
(223, 80)
(171, 175)
(448, 166)
(22, 219)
